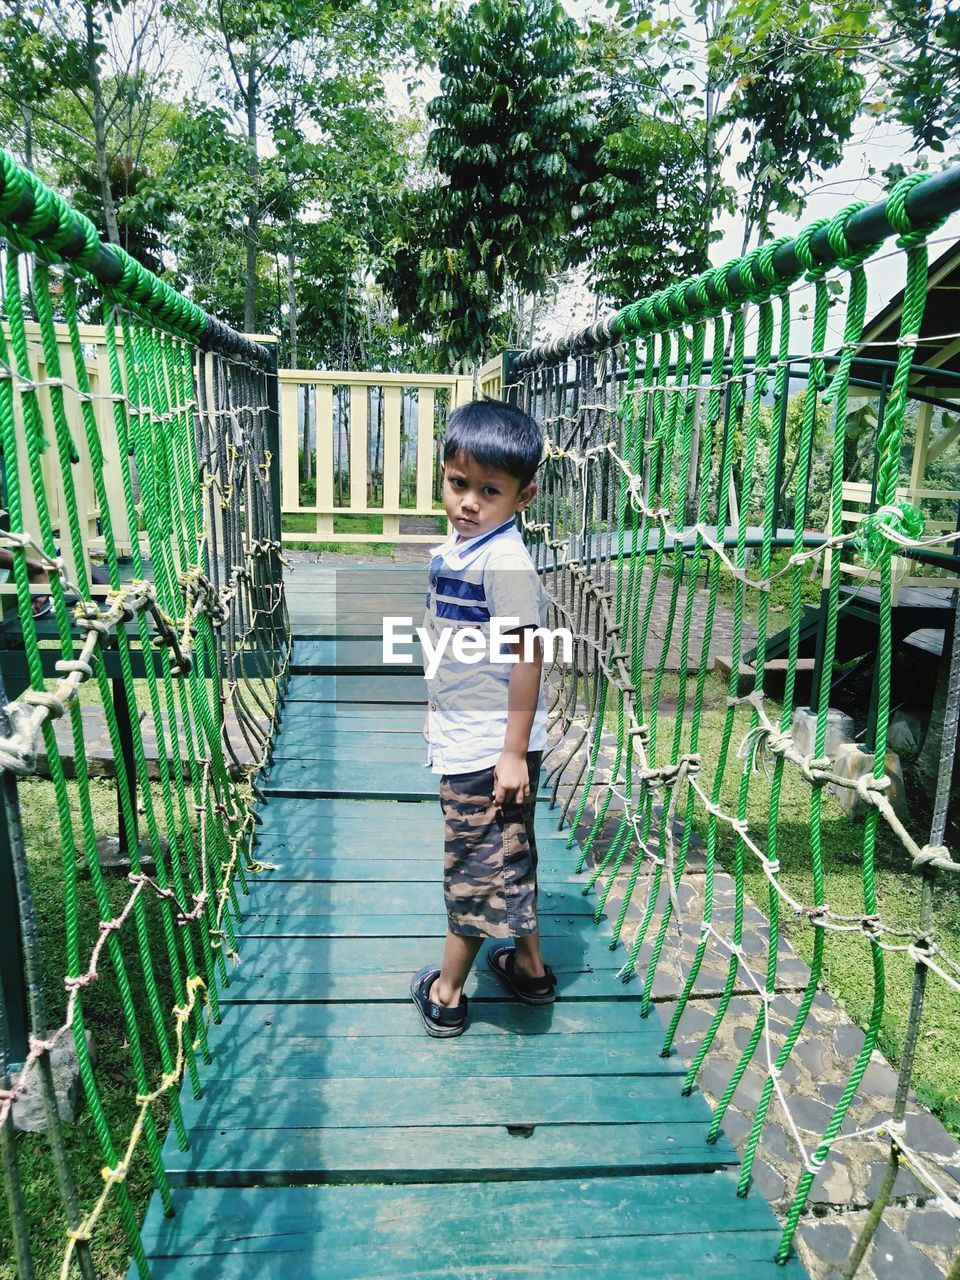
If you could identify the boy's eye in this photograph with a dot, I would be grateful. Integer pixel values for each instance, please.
(458, 482)
(489, 491)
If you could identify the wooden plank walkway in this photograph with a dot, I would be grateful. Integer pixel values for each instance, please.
(333, 1137)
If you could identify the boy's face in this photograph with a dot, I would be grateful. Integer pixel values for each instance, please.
(478, 498)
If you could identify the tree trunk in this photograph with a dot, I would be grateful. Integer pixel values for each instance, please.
(344, 350)
(291, 296)
(100, 128)
(28, 137)
(251, 233)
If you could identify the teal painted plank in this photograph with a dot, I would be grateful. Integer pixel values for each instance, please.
(423, 924)
(217, 1221)
(556, 865)
(316, 825)
(319, 656)
(361, 776)
(313, 742)
(252, 1157)
(365, 689)
(395, 717)
(571, 953)
(252, 986)
(399, 898)
(261, 924)
(508, 1022)
(626, 1053)
(281, 1102)
(721, 1255)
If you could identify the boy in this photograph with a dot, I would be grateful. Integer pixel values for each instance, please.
(485, 722)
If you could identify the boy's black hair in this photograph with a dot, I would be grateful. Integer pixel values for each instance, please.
(495, 434)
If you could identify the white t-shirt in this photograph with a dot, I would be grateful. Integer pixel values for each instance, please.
(471, 582)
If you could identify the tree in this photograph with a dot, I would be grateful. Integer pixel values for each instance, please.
(907, 50)
(508, 129)
(640, 225)
(273, 64)
(794, 106)
(84, 81)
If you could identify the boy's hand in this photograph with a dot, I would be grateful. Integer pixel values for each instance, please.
(511, 779)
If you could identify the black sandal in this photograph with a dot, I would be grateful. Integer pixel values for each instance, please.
(535, 991)
(439, 1021)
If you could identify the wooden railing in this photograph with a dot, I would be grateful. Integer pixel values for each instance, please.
(363, 446)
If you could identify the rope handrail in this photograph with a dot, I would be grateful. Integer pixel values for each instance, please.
(923, 202)
(43, 223)
(169, 442)
(663, 457)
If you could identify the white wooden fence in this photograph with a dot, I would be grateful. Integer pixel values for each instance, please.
(369, 442)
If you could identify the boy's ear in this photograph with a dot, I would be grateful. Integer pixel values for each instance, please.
(526, 494)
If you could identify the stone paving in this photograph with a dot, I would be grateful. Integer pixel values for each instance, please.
(916, 1239)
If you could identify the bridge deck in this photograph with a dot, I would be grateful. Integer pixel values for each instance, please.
(333, 1137)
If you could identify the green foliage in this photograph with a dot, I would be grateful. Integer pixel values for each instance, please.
(909, 50)
(508, 130)
(640, 223)
(793, 105)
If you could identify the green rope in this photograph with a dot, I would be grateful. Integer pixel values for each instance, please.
(199, 829)
(655, 436)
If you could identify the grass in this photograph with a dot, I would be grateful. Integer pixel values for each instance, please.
(847, 969)
(103, 1018)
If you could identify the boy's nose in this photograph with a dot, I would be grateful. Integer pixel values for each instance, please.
(469, 502)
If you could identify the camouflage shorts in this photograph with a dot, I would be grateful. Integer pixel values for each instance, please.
(490, 856)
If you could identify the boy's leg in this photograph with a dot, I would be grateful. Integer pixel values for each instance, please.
(459, 953)
(529, 957)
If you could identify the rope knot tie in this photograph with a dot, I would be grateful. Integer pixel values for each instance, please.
(85, 980)
(89, 618)
(871, 926)
(816, 769)
(115, 1175)
(899, 523)
(895, 1128)
(815, 914)
(67, 666)
(922, 949)
(54, 706)
(931, 853)
(871, 789)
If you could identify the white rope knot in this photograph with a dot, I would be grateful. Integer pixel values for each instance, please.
(871, 926)
(814, 1163)
(816, 769)
(871, 789)
(49, 701)
(67, 666)
(89, 619)
(931, 853)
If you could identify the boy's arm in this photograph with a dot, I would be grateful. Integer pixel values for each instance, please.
(511, 779)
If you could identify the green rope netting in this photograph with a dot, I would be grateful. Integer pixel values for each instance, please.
(192, 617)
(659, 447)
